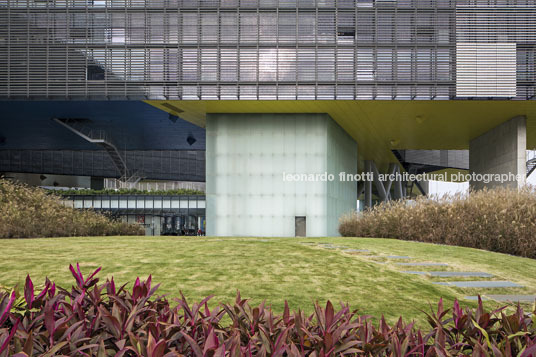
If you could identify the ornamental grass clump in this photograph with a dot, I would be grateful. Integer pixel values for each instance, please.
(93, 319)
(499, 220)
(28, 212)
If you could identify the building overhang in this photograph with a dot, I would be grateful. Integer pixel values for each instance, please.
(382, 126)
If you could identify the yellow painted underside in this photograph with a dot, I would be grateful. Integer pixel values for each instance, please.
(380, 126)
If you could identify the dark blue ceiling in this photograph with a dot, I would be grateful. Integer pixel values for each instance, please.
(133, 125)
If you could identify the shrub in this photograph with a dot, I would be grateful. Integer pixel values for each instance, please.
(27, 212)
(499, 220)
(93, 319)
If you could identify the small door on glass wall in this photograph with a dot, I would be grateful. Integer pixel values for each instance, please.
(300, 224)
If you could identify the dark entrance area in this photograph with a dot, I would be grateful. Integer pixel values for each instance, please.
(300, 226)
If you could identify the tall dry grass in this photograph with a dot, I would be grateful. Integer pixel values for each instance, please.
(499, 220)
(29, 212)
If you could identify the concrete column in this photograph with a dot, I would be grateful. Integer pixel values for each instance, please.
(398, 186)
(502, 150)
(368, 185)
(256, 166)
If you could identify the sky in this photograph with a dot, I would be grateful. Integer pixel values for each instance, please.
(441, 188)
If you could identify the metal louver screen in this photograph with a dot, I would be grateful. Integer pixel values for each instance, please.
(177, 165)
(252, 49)
(486, 69)
(503, 22)
(441, 158)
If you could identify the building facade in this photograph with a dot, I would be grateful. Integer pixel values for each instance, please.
(159, 215)
(266, 49)
(398, 76)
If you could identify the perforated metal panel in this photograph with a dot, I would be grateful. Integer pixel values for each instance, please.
(251, 49)
(438, 158)
(177, 165)
(486, 70)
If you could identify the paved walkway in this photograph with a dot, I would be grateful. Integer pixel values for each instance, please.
(473, 284)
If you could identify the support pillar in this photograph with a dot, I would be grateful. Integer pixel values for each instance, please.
(500, 151)
(383, 188)
(399, 192)
(368, 185)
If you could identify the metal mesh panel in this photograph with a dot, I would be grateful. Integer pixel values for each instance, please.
(439, 158)
(496, 35)
(486, 69)
(156, 165)
(252, 49)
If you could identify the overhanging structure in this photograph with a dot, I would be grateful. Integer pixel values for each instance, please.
(382, 126)
(392, 75)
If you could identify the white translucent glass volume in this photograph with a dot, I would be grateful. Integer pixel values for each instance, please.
(247, 156)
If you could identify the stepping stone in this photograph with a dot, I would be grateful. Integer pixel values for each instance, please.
(513, 298)
(480, 284)
(450, 274)
(505, 298)
(332, 246)
(356, 251)
(475, 298)
(424, 264)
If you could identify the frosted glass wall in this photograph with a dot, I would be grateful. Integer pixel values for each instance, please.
(247, 157)
(341, 157)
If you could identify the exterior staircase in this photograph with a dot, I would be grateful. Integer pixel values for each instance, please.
(130, 181)
(101, 138)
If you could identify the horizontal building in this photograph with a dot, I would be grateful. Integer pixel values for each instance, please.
(160, 215)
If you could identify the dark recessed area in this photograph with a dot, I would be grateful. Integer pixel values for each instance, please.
(95, 73)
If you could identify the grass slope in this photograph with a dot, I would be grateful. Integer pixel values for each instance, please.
(275, 270)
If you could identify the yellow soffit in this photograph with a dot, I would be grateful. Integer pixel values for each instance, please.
(380, 126)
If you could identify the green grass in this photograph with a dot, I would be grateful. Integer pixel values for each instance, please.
(275, 270)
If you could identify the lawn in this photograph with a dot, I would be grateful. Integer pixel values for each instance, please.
(273, 269)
